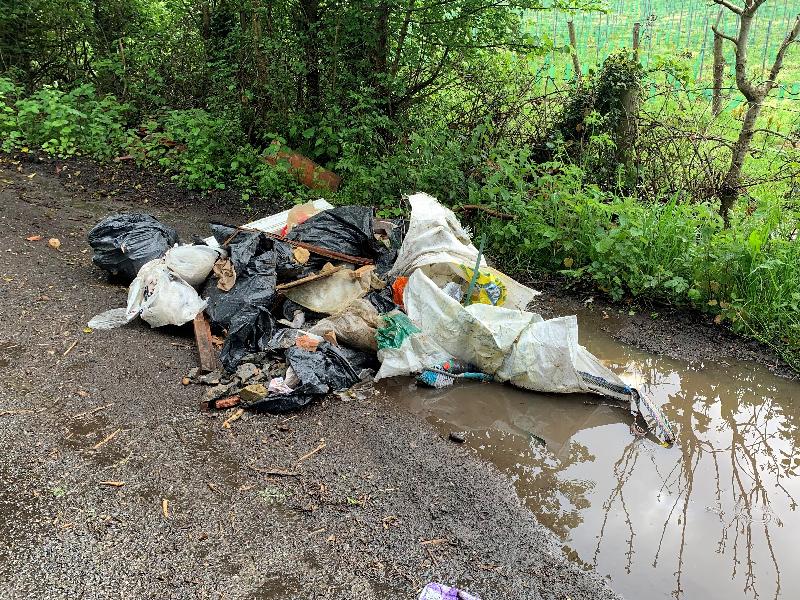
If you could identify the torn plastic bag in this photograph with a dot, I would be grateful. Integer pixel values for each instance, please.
(515, 346)
(123, 243)
(437, 243)
(110, 319)
(438, 591)
(193, 264)
(333, 293)
(245, 310)
(320, 372)
(382, 300)
(403, 349)
(161, 298)
(355, 325)
(349, 230)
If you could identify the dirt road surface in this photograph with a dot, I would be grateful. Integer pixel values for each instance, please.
(114, 484)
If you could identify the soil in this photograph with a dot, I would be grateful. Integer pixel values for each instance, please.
(114, 483)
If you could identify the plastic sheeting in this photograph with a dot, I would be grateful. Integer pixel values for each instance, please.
(245, 310)
(516, 347)
(349, 230)
(193, 264)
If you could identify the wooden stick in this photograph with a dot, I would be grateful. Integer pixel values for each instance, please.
(348, 258)
(312, 453)
(309, 279)
(275, 472)
(68, 350)
(209, 360)
(111, 483)
(433, 542)
(106, 439)
(236, 415)
(91, 412)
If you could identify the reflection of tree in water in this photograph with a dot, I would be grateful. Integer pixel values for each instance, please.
(743, 443)
(558, 501)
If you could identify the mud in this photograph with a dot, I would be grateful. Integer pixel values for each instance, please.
(713, 517)
(196, 516)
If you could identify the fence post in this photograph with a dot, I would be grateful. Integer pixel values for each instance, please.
(573, 42)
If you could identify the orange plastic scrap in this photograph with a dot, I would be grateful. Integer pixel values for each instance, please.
(307, 342)
(398, 287)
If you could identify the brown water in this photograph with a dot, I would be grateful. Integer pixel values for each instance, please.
(714, 517)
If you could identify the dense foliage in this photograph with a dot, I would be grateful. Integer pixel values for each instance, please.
(446, 97)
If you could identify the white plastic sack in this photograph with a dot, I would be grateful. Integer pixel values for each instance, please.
(193, 264)
(437, 243)
(514, 346)
(416, 353)
(161, 297)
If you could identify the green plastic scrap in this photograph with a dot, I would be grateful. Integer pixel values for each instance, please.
(396, 328)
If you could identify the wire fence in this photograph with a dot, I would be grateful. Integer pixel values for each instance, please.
(671, 28)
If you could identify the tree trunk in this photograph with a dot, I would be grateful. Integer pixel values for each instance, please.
(755, 95)
(729, 190)
(719, 72)
(309, 26)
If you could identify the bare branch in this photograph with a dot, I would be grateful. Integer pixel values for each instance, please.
(730, 38)
(776, 67)
(730, 6)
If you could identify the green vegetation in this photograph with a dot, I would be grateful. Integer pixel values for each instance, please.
(470, 101)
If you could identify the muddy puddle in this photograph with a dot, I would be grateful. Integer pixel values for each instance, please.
(715, 517)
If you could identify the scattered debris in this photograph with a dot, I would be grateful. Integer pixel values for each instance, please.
(112, 483)
(438, 591)
(106, 439)
(209, 359)
(312, 453)
(317, 299)
(457, 437)
(165, 508)
(234, 417)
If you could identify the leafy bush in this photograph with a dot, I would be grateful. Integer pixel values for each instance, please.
(63, 123)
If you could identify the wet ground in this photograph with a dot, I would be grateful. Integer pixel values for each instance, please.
(714, 517)
(113, 483)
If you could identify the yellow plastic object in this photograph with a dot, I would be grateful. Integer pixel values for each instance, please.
(489, 288)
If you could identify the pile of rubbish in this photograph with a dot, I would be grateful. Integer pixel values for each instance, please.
(319, 298)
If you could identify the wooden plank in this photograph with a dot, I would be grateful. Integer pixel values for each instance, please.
(209, 360)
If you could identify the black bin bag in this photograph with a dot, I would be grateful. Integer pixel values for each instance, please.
(123, 243)
(245, 310)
